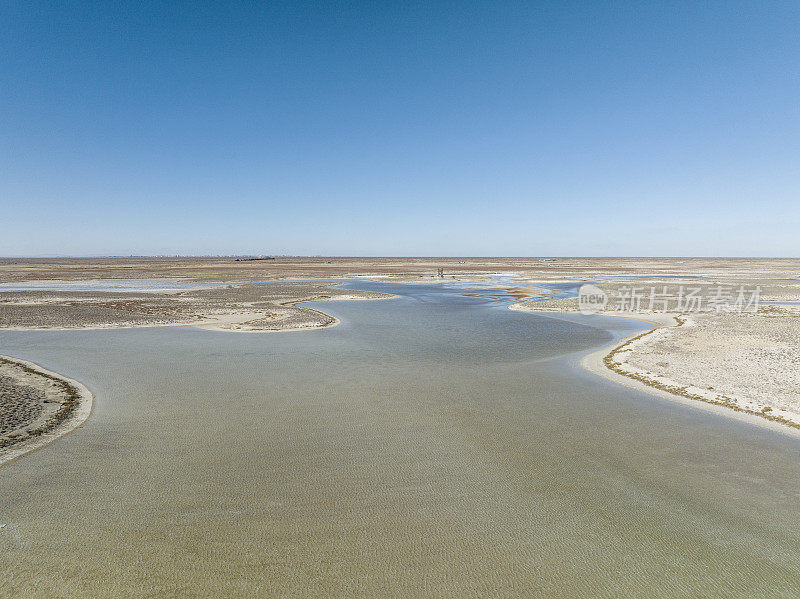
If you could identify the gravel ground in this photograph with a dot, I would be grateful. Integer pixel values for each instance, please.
(31, 403)
(20, 405)
(261, 306)
(753, 359)
(750, 359)
(745, 360)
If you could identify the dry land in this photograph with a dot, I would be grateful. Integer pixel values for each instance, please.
(249, 306)
(36, 407)
(413, 453)
(747, 361)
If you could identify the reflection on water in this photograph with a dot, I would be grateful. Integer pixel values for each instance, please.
(433, 444)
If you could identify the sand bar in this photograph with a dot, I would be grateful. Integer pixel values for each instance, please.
(38, 407)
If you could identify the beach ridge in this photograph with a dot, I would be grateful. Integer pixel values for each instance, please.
(606, 362)
(74, 409)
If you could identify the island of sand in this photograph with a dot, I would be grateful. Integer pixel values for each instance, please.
(36, 407)
(219, 305)
(745, 362)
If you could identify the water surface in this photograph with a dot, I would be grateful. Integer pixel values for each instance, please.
(432, 444)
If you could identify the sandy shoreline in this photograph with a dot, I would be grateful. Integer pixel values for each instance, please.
(597, 363)
(604, 362)
(229, 322)
(268, 306)
(746, 367)
(414, 443)
(744, 363)
(80, 407)
(239, 322)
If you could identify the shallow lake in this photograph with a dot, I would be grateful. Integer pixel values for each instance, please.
(432, 444)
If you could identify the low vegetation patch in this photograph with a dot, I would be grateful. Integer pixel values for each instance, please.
(613, 362)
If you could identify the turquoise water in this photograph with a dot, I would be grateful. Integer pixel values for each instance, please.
(430, 445)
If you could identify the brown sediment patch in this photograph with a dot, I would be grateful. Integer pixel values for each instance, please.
(287, 315)
(516, 293)
(240, 307)
(48, 406)
(517, 296)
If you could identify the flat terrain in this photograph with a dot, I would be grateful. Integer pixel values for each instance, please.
(233, 269)
(745, 360)
(748, 360)
(36, 407)
(431, 445)
(250, 306)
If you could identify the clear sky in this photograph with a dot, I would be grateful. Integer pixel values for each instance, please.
(399, 128)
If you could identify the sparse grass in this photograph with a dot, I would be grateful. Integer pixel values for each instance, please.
(68, 405)
(612, 363)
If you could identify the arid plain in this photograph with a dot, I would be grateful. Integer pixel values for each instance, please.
(747, 361)
(435, 443)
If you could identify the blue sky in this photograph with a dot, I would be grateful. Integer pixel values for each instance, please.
(437, 128)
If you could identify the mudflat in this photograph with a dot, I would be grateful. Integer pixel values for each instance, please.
(745, 361)
(431, 444)
(36, 407)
